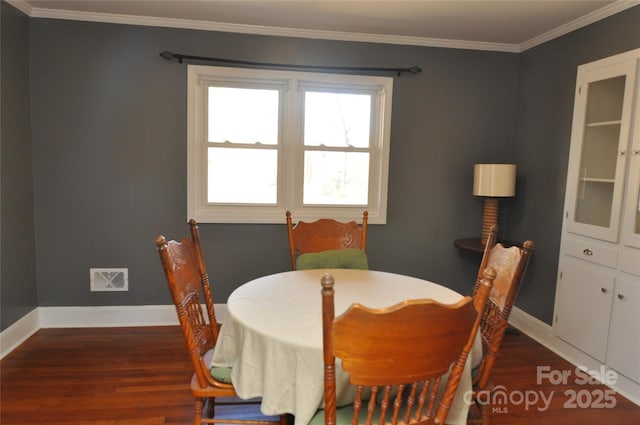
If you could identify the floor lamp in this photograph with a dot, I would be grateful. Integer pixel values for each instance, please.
(493, 181)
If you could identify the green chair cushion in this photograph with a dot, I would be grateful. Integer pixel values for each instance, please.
(475, 371)
(222, 374)
(351, 258)
(344, 415)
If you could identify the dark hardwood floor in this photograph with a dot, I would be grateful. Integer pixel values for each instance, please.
(578, 401)
(140, 376)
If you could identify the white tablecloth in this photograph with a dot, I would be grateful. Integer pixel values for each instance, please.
(272, 336)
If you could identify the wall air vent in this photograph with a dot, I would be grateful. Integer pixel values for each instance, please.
(109, 279)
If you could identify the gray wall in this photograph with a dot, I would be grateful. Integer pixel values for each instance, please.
(109, 137)
(109, 154)
(546, 88)
(17, 263)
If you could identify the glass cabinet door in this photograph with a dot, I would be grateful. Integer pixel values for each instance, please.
(631, 229)
(599, 151)
(635, 219)
(602, 119)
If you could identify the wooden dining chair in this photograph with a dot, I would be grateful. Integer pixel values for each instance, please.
(510, 265)
(397, 357)
(186, 273)
(327, 243)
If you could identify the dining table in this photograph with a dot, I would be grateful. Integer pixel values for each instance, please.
(271, 336)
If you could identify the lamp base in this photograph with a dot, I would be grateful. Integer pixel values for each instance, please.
(489, 217)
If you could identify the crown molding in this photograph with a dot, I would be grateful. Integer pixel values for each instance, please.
(256, 29)
(583, 21)
(22, 6)
(604, 12)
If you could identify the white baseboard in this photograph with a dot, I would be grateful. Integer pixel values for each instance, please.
(543, 334)
(90, 317)
(107, 316)
(18, 332)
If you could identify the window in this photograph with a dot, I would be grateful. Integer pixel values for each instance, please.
(261, 142)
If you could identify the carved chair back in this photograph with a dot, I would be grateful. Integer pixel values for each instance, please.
(510, 265)
(323, 235)
(188, 281)
(415, 343)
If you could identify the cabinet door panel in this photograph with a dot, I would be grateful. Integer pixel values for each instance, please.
(599, 143)
(623, 349)
(631, 226)
(583, 306)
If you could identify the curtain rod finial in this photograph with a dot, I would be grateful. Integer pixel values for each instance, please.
(167, 55)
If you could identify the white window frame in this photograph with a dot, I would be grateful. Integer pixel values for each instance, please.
(290, 156)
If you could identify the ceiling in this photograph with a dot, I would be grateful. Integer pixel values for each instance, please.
(503, 25)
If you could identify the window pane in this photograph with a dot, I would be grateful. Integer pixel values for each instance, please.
(243, 115)
(248, 160)
(339, 178)
(246, 176)
(337, 119)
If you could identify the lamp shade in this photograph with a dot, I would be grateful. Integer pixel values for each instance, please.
(494, 180)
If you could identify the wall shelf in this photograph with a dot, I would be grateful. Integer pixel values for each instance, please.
(475, 244)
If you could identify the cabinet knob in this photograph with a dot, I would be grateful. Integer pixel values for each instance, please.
(587, 251)
(620, 296)
(603, 290)
(635, 151)
(623, 153)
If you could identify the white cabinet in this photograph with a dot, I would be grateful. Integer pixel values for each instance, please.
(597, 306)
(623, 346)
(584, 306)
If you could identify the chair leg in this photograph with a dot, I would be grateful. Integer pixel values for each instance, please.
(474, 417)
(286, 420)
(197, 418)
(210, 407)
(485, 410)
(207, 410)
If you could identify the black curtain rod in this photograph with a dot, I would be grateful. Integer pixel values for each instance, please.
(170, 56)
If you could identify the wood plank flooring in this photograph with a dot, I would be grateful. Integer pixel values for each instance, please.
(572, 403)
(140, 376)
